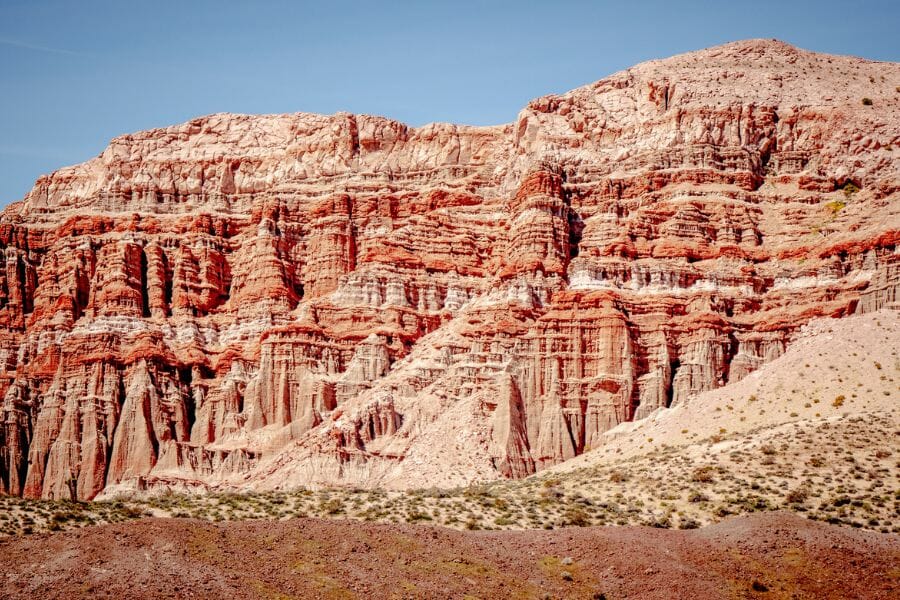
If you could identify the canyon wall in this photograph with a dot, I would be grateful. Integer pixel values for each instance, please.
(305, 300)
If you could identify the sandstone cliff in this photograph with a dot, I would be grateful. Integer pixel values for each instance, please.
(287, 300)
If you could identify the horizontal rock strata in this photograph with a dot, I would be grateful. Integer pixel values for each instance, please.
(306, 300)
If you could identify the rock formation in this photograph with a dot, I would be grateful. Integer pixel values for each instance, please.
(304, 300)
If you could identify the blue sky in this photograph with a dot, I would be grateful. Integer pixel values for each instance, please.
(75, 74)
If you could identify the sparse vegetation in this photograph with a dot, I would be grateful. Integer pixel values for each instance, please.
(811, 467)
(836, 206)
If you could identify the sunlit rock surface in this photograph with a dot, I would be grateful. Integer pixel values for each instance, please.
(306, 300)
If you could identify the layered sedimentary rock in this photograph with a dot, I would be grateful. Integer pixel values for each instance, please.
(303, 300)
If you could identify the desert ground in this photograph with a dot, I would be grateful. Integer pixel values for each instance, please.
(774, 555)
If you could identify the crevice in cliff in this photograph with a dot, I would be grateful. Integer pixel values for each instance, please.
(145, 295)
(22, 276)
(674, 365)
(147, 407)
(186, 377)
(168, 284)
(120, 401)
(354, 136)
(766, 152)
(225, 294)
(576, 438)
(351, 243)
(733, 347)
(82, 292)
(576, 229)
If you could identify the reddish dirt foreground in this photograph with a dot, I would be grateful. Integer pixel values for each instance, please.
(770, 555)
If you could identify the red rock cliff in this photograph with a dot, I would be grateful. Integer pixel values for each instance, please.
(299, 300)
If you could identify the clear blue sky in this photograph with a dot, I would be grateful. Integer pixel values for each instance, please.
(74, 74)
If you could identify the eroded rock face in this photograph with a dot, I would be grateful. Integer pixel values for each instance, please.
(302, 300)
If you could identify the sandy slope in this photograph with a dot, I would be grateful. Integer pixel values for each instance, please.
(855, 358)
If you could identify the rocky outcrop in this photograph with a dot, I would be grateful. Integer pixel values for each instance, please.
(884, 289)
(303, 300)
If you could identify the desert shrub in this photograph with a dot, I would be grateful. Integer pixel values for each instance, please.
(133, 512)
(839, 401)
(867, 101)
(703, 474)
(577, 516)
(661, 522)
(836, 206)
(550, 494)
(417, 515)
(618, 476)
(797, 496)
(331, 506)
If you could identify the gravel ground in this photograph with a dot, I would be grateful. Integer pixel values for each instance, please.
(771, 555)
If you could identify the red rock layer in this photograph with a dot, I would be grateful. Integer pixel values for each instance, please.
(309, 300)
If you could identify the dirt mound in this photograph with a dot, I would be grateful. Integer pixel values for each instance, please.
(772, 555)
